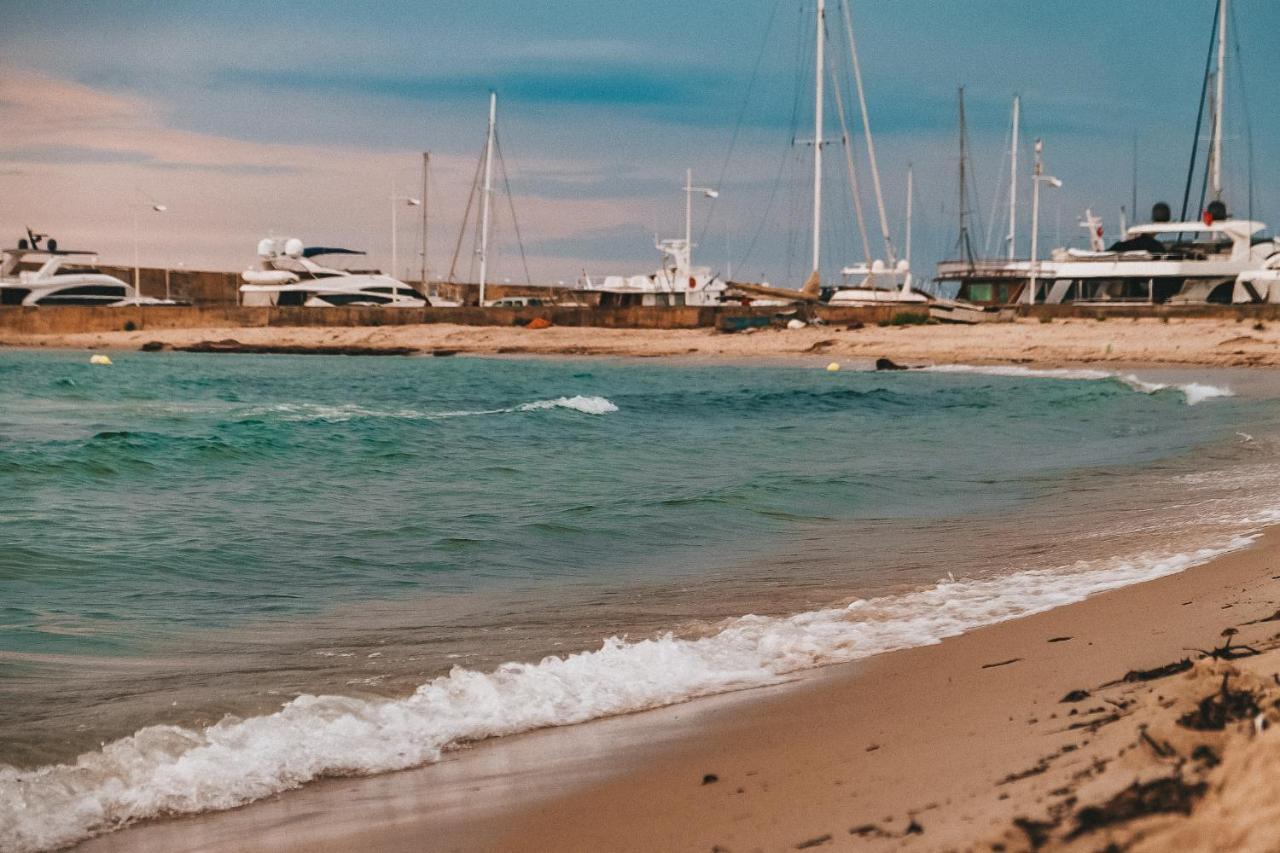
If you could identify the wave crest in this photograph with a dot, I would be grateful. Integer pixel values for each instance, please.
(1192, 392)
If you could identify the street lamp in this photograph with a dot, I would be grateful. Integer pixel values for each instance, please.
(1037, 179)
(689, 190)
(137, 266)
(409, 201)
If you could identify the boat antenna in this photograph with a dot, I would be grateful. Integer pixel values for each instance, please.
(1204, 91)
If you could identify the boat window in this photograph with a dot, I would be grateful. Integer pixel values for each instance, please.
(89, 294)
(12, 295)
(77, 271)
(350, 298)
(981, 292)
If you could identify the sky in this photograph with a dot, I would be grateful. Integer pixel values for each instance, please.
(308, 119)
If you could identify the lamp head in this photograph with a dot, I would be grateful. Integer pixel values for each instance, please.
(413, 202)
(1054, 182)
(159, 208)
(711, 193)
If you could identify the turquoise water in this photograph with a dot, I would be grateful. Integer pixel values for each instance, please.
(186, 536)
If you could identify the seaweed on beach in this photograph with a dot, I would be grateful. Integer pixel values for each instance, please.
(1229, 650)
(1217, 709)
(1166, 795)
(1137, 675)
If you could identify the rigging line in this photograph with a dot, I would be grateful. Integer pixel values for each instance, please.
(854, 190)
(996, 206)
(737, 126)
(1244, 108)
(795, 118)
(866, 127)
(1204, 91)
(511, 203)
(768, 208)
(466, 216)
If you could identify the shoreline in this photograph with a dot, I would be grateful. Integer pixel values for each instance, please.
(1180, 342)
(956, 745)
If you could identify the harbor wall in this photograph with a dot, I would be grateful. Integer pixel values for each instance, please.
(74, 319)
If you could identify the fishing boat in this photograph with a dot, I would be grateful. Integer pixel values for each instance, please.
(287, 274)
(60, 279)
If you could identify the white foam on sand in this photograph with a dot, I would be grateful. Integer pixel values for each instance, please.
(168, 770)
(1192, 392)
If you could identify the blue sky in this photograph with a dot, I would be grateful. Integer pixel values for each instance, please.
(300, 118)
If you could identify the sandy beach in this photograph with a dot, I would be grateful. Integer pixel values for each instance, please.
(1217, 342)
(1094, 726)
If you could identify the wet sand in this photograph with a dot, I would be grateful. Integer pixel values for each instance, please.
(1179, 341)
(982, 742)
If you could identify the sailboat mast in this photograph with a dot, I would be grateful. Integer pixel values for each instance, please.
(488, 191)
(1013, 178)
(911, 191)
(965, 245)
(817, 136)
(1219, 97)
(866, 130)
(426, 166)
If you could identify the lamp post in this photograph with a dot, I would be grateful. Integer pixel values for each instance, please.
(409, 202)
(1037, 179)
(137, 266)
(689, 190)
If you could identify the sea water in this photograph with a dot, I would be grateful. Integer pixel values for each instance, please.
(224, 576)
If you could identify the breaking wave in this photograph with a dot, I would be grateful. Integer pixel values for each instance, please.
(588, 405)
(167, 770)
(1192, 392)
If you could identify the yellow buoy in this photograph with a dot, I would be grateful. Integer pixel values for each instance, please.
(99, 359)
(833, 367)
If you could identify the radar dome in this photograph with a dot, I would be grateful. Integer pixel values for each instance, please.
(877, 265)
(1160, 212)
(266, 247)
(293, 247)
(903, 266)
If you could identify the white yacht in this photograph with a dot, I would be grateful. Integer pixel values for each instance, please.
(57, 282)
(674, 283)
(287, 274)
(1161, 262)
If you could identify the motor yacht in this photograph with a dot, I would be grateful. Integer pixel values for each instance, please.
(61, 278)
(287, 273)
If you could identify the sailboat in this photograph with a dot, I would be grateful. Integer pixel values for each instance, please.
(874, 273)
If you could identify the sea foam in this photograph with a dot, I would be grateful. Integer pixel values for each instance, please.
(587, 405)
(166, 770)
(1192, 392)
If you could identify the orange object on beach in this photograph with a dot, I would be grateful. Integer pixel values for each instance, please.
(539, 323)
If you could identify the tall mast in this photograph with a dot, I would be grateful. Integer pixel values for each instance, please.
(426, 163)
(906, 281)
(965, 246)
(1013, 179)
(866, 129)
(1219, 96)
(488, 191)
(817, 138)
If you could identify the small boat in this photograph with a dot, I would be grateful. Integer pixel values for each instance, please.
(55, 282)
(287, 274)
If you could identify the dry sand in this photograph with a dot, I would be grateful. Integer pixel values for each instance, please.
(1189, 341)
(973, 744)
